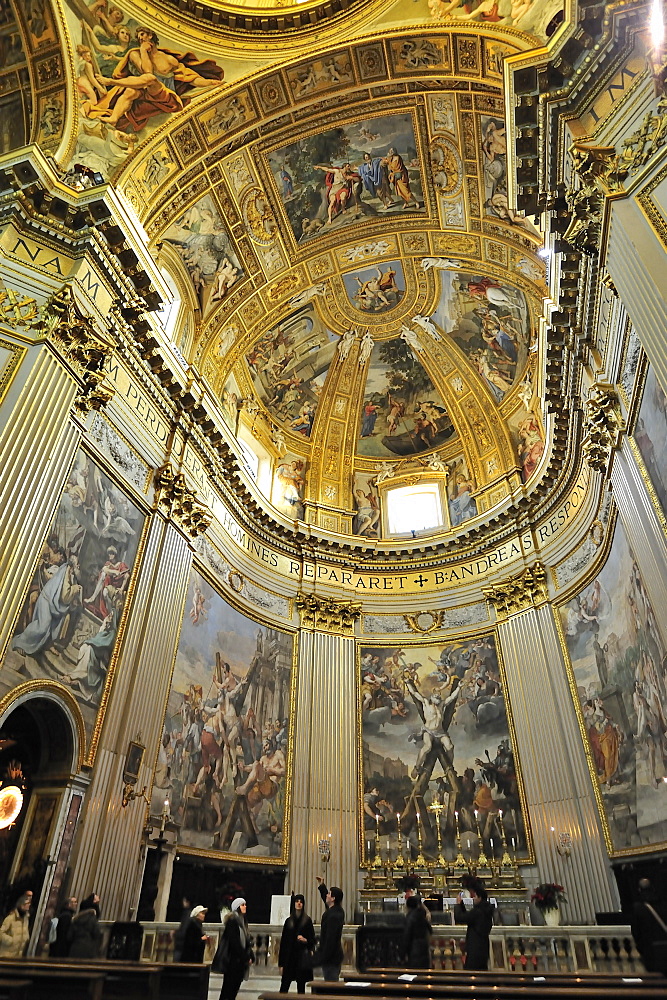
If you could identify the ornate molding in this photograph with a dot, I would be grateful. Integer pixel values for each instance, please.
(425, 622)
(74, 337)
(527, 590)
(603, 426)
(180, 503)
(327, 615)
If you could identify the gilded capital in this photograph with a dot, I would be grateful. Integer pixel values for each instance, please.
(180, 503)
(327, 615)
(527, 590)
(603, 425)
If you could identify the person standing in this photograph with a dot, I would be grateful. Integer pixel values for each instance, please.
(417, 935)
(60, 947)
(479, 919)
(649, 927)
(194, 939)
(85, 933)
(330, 953)
(179, 935)
(297, 941)
(237, 952)
(15, 929)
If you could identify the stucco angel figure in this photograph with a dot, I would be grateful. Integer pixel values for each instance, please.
(435, 463)
(278, 439)
(345, 344)
(427, 326)
(411, 339)
(385, 470)
(440, 263)
(526, 392)
(308, 294)
(365, 348)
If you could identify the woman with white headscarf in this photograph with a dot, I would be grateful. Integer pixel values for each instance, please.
(235, 955)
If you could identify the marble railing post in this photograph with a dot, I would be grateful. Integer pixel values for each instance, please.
(324, 787)
(556, 777)
(108, 857)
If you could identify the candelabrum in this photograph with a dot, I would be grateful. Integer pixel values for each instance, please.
(399, 863)
(506, 859)
(420, 861)
(460, 861)
(377, 860)
(436, 808)
(482, 859)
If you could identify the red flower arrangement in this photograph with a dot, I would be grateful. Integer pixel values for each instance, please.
(548, 895)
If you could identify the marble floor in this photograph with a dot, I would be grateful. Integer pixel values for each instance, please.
(250, 989)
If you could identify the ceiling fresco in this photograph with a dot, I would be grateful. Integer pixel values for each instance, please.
(367, 295)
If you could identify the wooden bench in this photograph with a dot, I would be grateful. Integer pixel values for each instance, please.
(132, 980)
(500, 977)
(184, 981)
(15, 989)
(473, 991)
(54, 983)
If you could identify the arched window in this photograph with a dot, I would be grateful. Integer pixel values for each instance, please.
(414, 508)
(169, 310)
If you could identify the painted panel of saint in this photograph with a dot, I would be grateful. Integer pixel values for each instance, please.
(650, 435)
(402, 411)
(225, 751)
(289, 483)
(128, 81)
(490, 321)
(289, 366)
(435, 733)
(338, 177)
(540, 19)
(366, 521)
(69, 621)
(617, 654)
(203, 243)
(376, 289)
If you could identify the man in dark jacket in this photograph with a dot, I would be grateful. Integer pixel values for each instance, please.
(649, 927)
(60, 947)
(85, 933)
(479, 919)
(179, 936)
(330, 952)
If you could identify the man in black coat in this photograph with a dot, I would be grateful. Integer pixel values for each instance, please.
(60, 947)
(649, 927)
(479, 919)
(330, 952)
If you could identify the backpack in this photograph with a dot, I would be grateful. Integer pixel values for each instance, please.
(53, 931)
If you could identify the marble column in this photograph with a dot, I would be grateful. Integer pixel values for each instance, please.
(557, 781)
(325, 778)
(37, 444)
(109, 857)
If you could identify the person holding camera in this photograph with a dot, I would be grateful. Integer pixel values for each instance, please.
(479, 919)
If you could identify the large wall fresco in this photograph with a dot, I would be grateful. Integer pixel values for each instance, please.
(618, 659)
(490, 321)
(128, 82)
(69, 621)
(376, 289)
(15, 102)
(224, 756)
(456, 689)
(402, 412)
(650, 435)
(289, 366)
(362, 170)
(203, 243)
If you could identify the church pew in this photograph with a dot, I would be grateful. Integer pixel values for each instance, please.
(500, 977)
(469, 990)
(184, 981)
(15, 989)
(54, 983)
(134, 980)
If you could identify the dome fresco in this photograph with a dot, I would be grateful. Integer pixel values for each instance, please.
(363, 291)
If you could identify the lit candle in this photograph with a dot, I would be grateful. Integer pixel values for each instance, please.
(491, 843)
(513, 844)
(369, 846)
(387, 844)
(398, 821)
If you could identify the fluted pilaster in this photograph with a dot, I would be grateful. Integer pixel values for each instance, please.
(324, 790)
(37, 444)
(556, 777)
(641, 523)
(109, 856)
